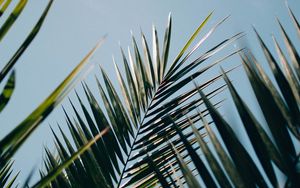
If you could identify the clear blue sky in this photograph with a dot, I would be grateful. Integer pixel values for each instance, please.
(72, 28)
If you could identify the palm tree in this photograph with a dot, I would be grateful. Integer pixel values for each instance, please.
(157, 128)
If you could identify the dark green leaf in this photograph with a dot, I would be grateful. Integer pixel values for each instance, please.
(12, 18)
(203, 171)
(293, 54)
(191, 39)
(56, 171)
(255, 133)
(238, 153)
(166, 47)
(16, 137)
(212, 161)
(8, 90)
(26, 43)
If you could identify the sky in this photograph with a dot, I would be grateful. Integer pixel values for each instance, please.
(72, 28)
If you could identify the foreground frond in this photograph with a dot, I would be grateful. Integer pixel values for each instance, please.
(154, 94)
(6, 94)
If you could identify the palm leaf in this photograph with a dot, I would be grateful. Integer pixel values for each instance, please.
(16, 137)
(8, 90)
(295, 21)
(25, 44)
(5, 96)
(12, 142)
(216, 168)
(155, 125)
(12, 17)
(138, 126)
(4, 5)
(56, 171)
(255, 133)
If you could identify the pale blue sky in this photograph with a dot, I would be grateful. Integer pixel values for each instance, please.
(73, 27)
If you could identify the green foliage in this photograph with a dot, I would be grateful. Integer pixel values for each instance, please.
(156, 129)
(274, 145)
(12, 141)
(8, 90)
(152, 132)
(154, 96)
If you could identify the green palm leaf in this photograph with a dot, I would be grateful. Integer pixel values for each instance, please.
(25, 44)
(57, 170)
(138, 119)
(12, 17)
(8, 90)
(4, 5)
(11, 142)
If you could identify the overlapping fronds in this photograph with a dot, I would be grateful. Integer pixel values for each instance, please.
(12, 141)
(273, 145)
(271, 159)
(154, 93)
(156, 135)
(9, 87)
(6, 94)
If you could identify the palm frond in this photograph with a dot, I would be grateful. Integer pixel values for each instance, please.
(154, 96)
(5, 153)
(156, 125)
(57, 169)
(274, 146)
(12, 142)
(9, 65)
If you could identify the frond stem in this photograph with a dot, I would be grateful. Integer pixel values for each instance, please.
(134, 139)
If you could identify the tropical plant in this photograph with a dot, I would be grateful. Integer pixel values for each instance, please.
(274, 145)
(154, 140)
(152, 92)
(147, 136)
(12, 141)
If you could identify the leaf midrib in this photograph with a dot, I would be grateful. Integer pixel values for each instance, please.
(138, 130)
(134, 139)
